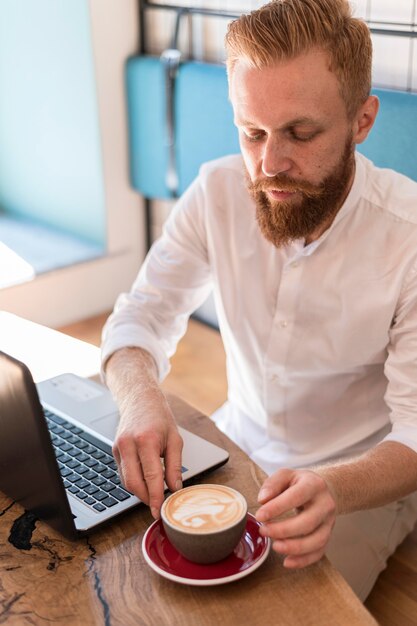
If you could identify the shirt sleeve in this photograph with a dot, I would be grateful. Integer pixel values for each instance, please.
(401, 367)
(173, 281)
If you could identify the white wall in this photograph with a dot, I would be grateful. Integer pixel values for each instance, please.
(76, 292)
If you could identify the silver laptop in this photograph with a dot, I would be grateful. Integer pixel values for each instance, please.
(55, 449)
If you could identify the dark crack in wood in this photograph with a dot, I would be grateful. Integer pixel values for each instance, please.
(56, 560)
(8, 507)
(7, 606)
(21, 531)
(97, 583)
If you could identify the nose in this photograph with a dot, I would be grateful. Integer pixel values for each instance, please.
(275, 159)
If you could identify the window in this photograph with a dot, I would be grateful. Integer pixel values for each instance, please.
(64, 157)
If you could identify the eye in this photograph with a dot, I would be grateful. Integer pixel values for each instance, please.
(302, 136)
(254, 135)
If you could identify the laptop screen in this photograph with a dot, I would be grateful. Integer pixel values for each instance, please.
(28, 469)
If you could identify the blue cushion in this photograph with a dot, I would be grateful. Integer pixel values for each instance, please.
(205, 130)
(204, 118)
(203, 122)
(145, 85)
(393, 140)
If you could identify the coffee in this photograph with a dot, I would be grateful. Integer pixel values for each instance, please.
(205, 508)
(205, 522)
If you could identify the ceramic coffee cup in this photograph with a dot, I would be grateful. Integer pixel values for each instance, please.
(205, 522)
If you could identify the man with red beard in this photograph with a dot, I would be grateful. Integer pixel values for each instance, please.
(311, 253)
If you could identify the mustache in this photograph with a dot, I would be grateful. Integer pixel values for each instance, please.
(285, 183)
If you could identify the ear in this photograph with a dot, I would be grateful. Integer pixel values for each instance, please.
(364, 119)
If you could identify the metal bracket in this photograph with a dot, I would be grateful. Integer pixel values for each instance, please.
(171, 58)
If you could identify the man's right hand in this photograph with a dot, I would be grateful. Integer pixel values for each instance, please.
(147, 430)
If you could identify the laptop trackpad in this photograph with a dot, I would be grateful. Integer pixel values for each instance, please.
(106, 425)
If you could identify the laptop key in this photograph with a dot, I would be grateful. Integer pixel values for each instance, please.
(82, 445)
(82, 495)
(101, 495)
(73, 439)
(73, 451)
(82, 483)
(55, 418)
(108, 473)
(97, 442)
(73, 464)
(78, 454)
(99, 481)
(65, 472)
(97, 454)
(73, 489)
(90, 475)
(91, 489)
(73, 478)
(100, 468)
(75, 429)
(120, 494)
(89, 500)
(82, 469)
(108, 486)
(99, 507)
(90, 462)
(66, 434)
(109, 501)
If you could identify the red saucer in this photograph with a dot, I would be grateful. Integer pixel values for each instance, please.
(162, 557)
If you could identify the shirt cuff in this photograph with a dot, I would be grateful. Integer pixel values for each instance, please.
(130, 338)
(403, 434)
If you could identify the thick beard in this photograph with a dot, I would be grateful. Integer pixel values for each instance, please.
(283, 222)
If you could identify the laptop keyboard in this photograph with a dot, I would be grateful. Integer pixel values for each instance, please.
(87, 466)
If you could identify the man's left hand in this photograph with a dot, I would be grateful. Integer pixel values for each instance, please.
(303, 536)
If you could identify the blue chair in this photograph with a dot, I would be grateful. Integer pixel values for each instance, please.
(204, 130)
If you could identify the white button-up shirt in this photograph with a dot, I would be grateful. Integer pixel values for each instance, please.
(321, 340)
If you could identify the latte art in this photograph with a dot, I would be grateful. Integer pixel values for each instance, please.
(205, 508)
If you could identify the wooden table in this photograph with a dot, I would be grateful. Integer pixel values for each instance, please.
(104, 579)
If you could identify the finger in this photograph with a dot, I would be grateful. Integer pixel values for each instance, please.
(298, 562)
(130, 470)
(304, 523)
(116, 455)
(153, 475)
(299, 546)
(292, 498)
(275, 484)
(173, 464)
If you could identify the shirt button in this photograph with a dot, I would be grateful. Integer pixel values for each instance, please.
(283, 323)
